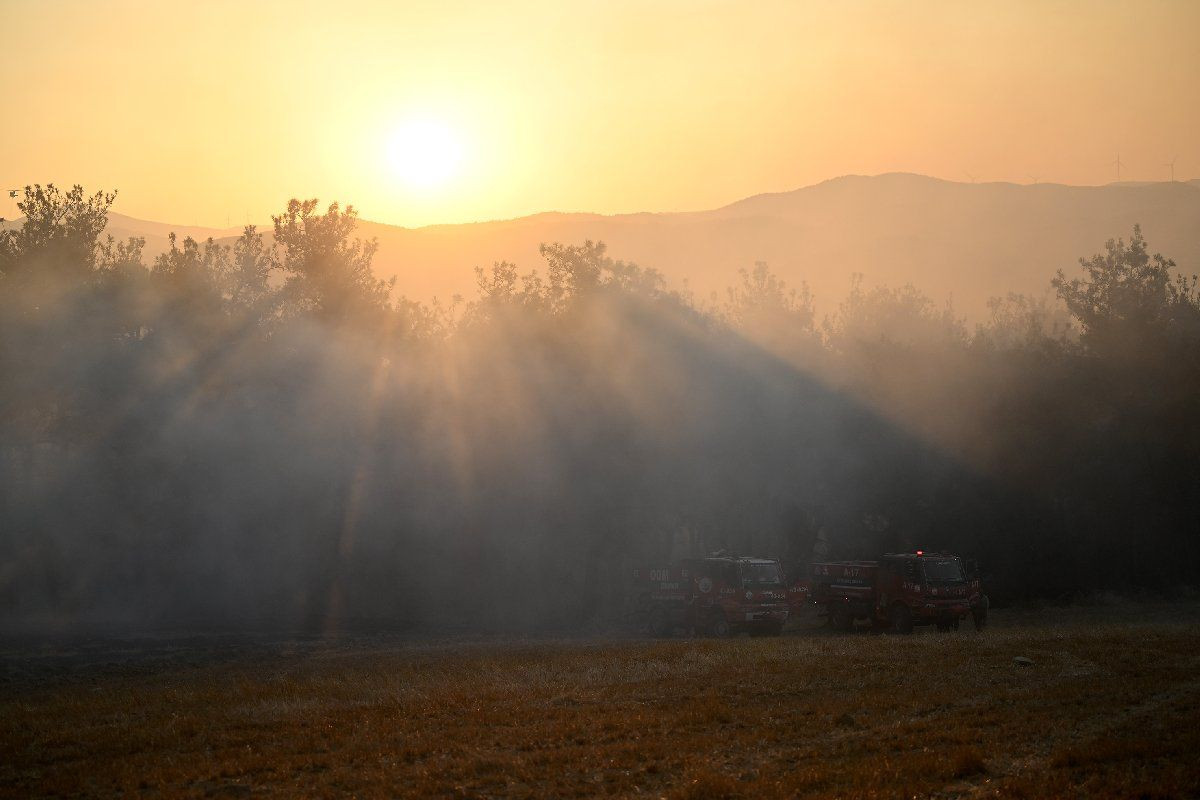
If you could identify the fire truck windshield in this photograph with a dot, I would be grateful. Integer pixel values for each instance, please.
(942, 570)
(761, 575)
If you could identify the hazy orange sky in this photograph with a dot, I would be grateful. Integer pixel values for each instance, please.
(208, 113)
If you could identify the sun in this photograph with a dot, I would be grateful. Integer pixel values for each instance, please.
(425, 153)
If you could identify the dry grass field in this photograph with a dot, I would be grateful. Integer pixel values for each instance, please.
(1110, 707)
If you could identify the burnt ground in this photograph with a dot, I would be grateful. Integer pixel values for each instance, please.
(1109, 707)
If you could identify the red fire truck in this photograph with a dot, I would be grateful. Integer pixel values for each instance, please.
(719, 595)
(899, 591)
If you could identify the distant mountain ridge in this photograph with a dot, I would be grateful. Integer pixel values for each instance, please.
(963, 242)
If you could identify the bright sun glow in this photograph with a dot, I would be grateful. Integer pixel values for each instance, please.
(425, 153)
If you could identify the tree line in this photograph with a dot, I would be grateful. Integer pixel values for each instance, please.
(266, 433)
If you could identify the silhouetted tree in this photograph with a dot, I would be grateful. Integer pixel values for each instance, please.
(1023, 321)
(1127, 295)
(328, 274)
(248, 283)
(503, 293)
(892, 319)
(59, 234)
(783, 319)
(575, 272)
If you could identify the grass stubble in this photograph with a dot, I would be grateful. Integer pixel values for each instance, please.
(1109, 708)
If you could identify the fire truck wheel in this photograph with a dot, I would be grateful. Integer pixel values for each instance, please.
(660, 625)
(980, 612)
(902, 621)
(718, 626)
(768, 629)
(842, 621)
(643, 603)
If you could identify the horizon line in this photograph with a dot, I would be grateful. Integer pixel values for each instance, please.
(236, 229)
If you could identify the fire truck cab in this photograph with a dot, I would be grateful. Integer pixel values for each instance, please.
(719, 595)
(900, 591)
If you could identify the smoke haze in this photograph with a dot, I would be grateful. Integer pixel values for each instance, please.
(265, 435)
(957, 241)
